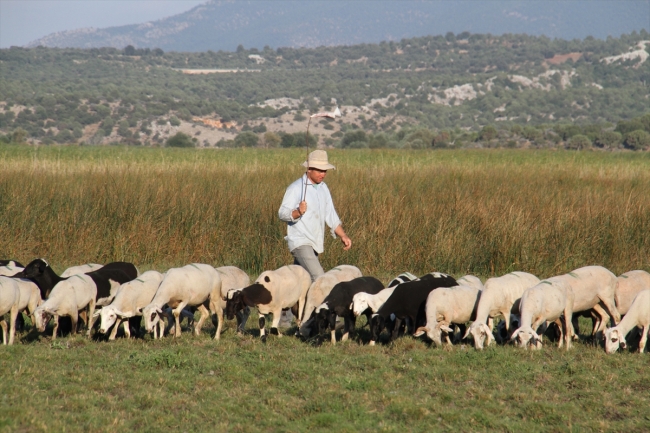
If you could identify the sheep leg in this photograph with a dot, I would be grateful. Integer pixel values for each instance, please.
(219, 313)
(262, 322)
(204, 315)
(56, 327)
(642, 342)
(275, 324)
(91, 313)
(568, 326)
(396, 325)
(561, 326)
(177, 318)
(3, 323)
(349, 325)
(118, 321)
(611, 310)
(242, 318)
(127, 328)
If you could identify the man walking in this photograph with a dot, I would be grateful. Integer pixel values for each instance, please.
(306, 216)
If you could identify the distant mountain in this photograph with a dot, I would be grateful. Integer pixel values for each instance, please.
(224, 25)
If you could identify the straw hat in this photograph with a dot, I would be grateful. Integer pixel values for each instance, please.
(318, 159)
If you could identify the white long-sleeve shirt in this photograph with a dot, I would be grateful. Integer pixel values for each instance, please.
(309, 229)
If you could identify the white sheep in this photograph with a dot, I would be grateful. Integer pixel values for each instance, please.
(629, 285)
(81, 269)
(499, 298)
(30, 296)
(547, 301)
(67, 298)
(594, 287)
(320, 288)
(446, 306)
(232, 278)
(9, 299)
(471, 281)
(130, 298)
(193, 285)
(637, 315)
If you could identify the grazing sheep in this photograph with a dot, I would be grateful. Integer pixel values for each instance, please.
(629, 285)
(30, 298)
(67, 298)
(545, 302)
(339, 304)
(446, 306)
(499, 298)
(319, 290)
(9, 299)
(107, 279)
(192, 285)
(470, 281)
(81, 269)
(408, 301)
(272, 292)
(9, 268)
(637, 315)
(362, 300)
(131, 297)
(594, 287)
(232, 278)
(404, 277)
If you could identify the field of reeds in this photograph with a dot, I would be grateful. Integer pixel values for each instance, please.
(483, 212)
(480, 212)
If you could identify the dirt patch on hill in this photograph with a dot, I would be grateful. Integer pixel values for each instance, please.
(561, 58)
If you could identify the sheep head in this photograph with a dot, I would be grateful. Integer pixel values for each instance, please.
(613, 340)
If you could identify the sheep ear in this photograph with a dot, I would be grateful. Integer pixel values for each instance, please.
(488, 333)
(536, 337)
(469, 328)
(515, 334)
(446, 329)
(351, 305)
(97, 313)
(420, 331)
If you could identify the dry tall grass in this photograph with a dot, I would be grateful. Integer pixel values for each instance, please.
(480, 212)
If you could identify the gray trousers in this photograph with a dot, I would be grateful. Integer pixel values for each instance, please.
(306, 257)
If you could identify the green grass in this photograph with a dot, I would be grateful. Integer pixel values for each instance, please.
(484, 212)
(240, 384)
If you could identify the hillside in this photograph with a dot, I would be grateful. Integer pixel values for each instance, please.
(224, 25)
(452, 86)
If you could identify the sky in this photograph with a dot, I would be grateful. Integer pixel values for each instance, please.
(22, 21)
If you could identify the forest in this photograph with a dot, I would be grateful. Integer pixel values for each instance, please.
(453, 90)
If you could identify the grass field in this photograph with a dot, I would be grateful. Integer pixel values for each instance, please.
(479, 212)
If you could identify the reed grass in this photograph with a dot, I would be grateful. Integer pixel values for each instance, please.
(481, 212)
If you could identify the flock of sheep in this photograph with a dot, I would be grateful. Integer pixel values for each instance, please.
(435, 304)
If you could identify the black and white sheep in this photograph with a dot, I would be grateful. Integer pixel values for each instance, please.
(272, 292)
(232, 278)
(319, 290)
(339, 304)
(408, 301)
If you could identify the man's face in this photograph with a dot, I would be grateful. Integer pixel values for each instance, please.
(316, 175)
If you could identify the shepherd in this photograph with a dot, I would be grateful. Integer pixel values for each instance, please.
(306, 207)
